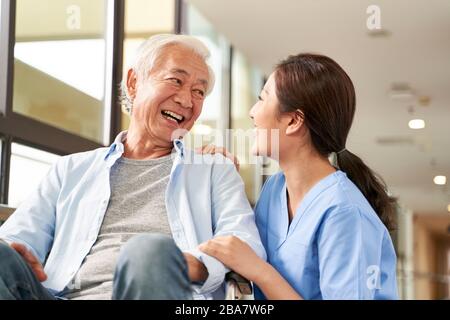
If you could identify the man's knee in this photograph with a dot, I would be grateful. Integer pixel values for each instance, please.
(151, 266)
(145, 250)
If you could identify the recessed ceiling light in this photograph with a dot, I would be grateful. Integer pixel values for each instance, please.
(416, 124)
(440, 180)
(401, 91)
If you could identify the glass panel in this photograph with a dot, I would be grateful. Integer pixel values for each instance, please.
(28, 167)
(144, 18)
(59, 69)
(212, 122)
(3, 61)
(3, 215)
(1, 157)
(247, 82)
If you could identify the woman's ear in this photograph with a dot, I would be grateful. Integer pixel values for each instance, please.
(131, 84)
(296, 120)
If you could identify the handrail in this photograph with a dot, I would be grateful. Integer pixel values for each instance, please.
(420, 275)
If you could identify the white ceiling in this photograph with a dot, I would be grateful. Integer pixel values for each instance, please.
(417, 51)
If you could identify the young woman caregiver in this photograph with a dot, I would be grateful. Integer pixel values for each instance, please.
(325, 227)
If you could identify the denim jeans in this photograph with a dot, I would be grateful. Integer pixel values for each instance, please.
(17, 280)
(149, 267)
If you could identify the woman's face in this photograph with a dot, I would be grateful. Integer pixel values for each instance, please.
(270, 128)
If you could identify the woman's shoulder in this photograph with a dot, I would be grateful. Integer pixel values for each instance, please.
(348, 200)
(348, 194)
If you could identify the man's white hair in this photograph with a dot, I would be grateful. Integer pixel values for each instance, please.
(149, 52)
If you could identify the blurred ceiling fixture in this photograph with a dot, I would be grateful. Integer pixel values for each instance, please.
(440, 180)
(395, 140)
(433, 162)
(448, 207)
(379, 33)
(401, 91)
(424, 100)
(416, 124)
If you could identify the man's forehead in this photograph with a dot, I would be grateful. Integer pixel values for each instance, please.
(182, 61)
(180, 71)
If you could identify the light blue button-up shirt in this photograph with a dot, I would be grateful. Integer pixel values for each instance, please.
(335, 247)
(60, 222)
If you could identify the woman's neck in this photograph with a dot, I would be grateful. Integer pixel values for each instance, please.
(302, 169)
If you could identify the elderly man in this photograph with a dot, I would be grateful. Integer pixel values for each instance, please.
(124, 222)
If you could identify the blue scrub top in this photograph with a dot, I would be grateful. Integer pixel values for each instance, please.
(335, 247)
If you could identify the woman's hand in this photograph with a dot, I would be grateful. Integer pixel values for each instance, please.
(212, 149)
(236, 255)
(239, 257)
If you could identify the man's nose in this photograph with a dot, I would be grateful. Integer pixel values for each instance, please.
(184, 98)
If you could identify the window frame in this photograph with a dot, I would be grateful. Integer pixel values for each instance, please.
(18, 128)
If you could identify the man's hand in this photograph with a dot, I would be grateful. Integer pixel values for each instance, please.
(32, 261)
(197, 270)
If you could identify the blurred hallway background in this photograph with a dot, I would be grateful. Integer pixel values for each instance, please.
(61, 63)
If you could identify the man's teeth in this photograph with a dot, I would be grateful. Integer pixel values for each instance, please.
(171, 119)
(173, 116)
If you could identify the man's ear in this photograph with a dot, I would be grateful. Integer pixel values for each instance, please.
(131, 83)
(296, 121)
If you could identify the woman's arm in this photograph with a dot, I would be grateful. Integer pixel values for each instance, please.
(239, 257)
(274, 286)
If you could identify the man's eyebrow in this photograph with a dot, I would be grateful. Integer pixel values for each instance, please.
(203, 82)
(185, 73)
(180, 71)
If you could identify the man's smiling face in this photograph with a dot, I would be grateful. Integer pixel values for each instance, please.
(172, 95)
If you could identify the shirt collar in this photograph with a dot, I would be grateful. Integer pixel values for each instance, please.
(116, 149)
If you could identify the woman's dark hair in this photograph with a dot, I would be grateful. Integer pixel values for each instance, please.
(318, 87)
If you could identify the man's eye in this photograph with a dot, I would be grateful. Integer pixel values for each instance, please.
(175, 80)
(200, 92)
(259, 98)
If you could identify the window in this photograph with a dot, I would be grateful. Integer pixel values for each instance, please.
(144, 18)
(60, 64)
(211, 125)
(1, 158)
(28, 167)
(247, 82)
(4, 41)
